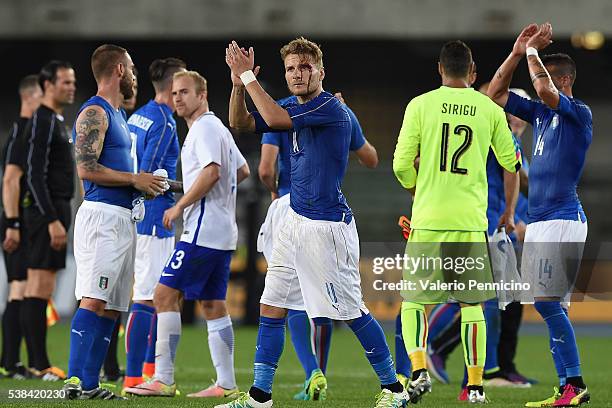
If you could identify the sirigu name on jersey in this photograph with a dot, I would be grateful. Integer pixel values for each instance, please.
(455, 109)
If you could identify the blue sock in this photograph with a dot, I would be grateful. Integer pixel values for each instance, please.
(556, 355)
(138, 327)
(465, 377)
(151, 340)
(322, 340)
(562, 338)
(372, 338)
(301, 337)
(402, 361)
(440, 318)
(493, 321)
(82, 334)
(270, 343)
(95, 360)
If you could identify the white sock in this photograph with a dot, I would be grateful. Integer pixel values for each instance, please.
(168, 335)
(221, 344)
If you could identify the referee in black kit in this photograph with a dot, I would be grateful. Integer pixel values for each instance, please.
(50, 182)
(12, 233)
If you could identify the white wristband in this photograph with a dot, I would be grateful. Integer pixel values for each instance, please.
(247, 77)
(531, 51)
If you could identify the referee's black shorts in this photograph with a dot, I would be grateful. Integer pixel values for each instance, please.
(16, 262)
(40, 253)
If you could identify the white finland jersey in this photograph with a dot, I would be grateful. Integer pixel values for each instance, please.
(211, 221)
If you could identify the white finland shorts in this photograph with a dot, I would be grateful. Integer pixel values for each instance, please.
(152, 253)
(104, 247)
(272, 225)
(551, 258)
(314, 266)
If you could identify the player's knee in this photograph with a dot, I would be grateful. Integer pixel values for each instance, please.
(272, 311)
(213, 309)
(94, 305)
(17, 290)
(548, 308)
(40, 283)
(166, 299)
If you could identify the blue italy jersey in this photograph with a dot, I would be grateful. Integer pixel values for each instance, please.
(157, 147)
(318, 148)
(497, 198)
(561, 139)
(115, 155)
(281, 139)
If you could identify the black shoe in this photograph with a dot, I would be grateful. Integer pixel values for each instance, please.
(101, 394)
(112, 376)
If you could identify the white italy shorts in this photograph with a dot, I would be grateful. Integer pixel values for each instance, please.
(152, 253)
(551, 257)
(104, 247)
(314, 266)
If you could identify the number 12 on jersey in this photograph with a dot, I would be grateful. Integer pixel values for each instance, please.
(459, 130)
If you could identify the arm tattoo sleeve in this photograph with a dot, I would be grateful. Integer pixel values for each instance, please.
(88, 144)
(536, 69)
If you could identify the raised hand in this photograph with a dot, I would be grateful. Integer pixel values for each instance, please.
(542, 38)
(520, 45)
(239, 60)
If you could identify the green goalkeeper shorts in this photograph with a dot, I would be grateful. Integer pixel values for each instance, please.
(442, 266)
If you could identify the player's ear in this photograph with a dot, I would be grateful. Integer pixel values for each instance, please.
(440, 69)
(120, 69)
(322, 74)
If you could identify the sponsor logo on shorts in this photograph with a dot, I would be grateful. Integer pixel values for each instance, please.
(103, 283)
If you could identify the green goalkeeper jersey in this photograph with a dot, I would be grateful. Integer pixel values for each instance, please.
(451, 130)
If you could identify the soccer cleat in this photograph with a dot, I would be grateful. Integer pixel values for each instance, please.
(548, 402)
(48, 374)
(572, 397)
(72, 388)
(17, 373)
(214, 391)
(499, 380)
(100, 393)
(418, 387)
(387, 399)
(437, 367)
(153, 388)
(476, 396)
(405, 381)
(112, 376)
(244, 400)
(463, 395)
(519, 379)
(315, 388)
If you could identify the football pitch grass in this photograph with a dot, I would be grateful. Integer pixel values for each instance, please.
(352, 383)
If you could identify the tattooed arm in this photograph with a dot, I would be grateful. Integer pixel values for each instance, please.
(91, 127)
(542, 82)
(239, 117)
(498, 88)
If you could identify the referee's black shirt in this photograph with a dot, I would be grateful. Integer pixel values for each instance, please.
(14, 153)
(49, 161)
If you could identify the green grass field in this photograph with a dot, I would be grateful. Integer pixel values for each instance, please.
(352, 383)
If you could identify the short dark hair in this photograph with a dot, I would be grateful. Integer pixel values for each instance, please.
(28, 83)
(162, 70)
(49, 72)
(564, 63)
(104, 59)
(456, 58)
